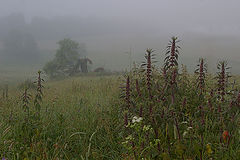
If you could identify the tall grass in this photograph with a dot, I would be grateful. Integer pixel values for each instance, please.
(77, 120)
(157, 113)
(188, 117)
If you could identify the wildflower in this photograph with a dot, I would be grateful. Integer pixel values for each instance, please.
(225, 135)
(209, 149)
(184, 133)
(126, 119)
(136, 119)
(189, 128)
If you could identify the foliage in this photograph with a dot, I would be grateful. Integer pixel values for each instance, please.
(65, 59)
(187, 117)
(163, 113)
(78, 120)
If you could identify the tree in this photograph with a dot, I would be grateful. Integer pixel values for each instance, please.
(65, 59)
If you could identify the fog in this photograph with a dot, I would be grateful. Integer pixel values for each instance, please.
(110, 28)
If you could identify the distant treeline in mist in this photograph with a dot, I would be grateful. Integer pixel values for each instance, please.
(31, 42)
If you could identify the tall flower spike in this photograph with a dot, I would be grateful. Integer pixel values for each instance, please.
(39, 94)
(222, 77)
(164, 74)
(172, 53)
(149, 57)
(201, 71)
(173, 83)
(125, 119)
(148, 70)
(25, 100)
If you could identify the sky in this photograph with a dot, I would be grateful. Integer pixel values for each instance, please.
(207, 28)
(210, 16)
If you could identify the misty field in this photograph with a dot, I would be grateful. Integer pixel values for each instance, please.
(78, 120)
(85, 118)
(82, 118)
(150, 112)
(119, 80)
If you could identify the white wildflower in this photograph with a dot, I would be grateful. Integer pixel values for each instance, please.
(184, 133)
(136, 119)
(189, 128)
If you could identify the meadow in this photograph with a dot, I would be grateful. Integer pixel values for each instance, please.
(78, 121)
(151, 112)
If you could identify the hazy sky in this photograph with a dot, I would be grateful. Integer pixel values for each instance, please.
(208, 28)
(220, 16)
